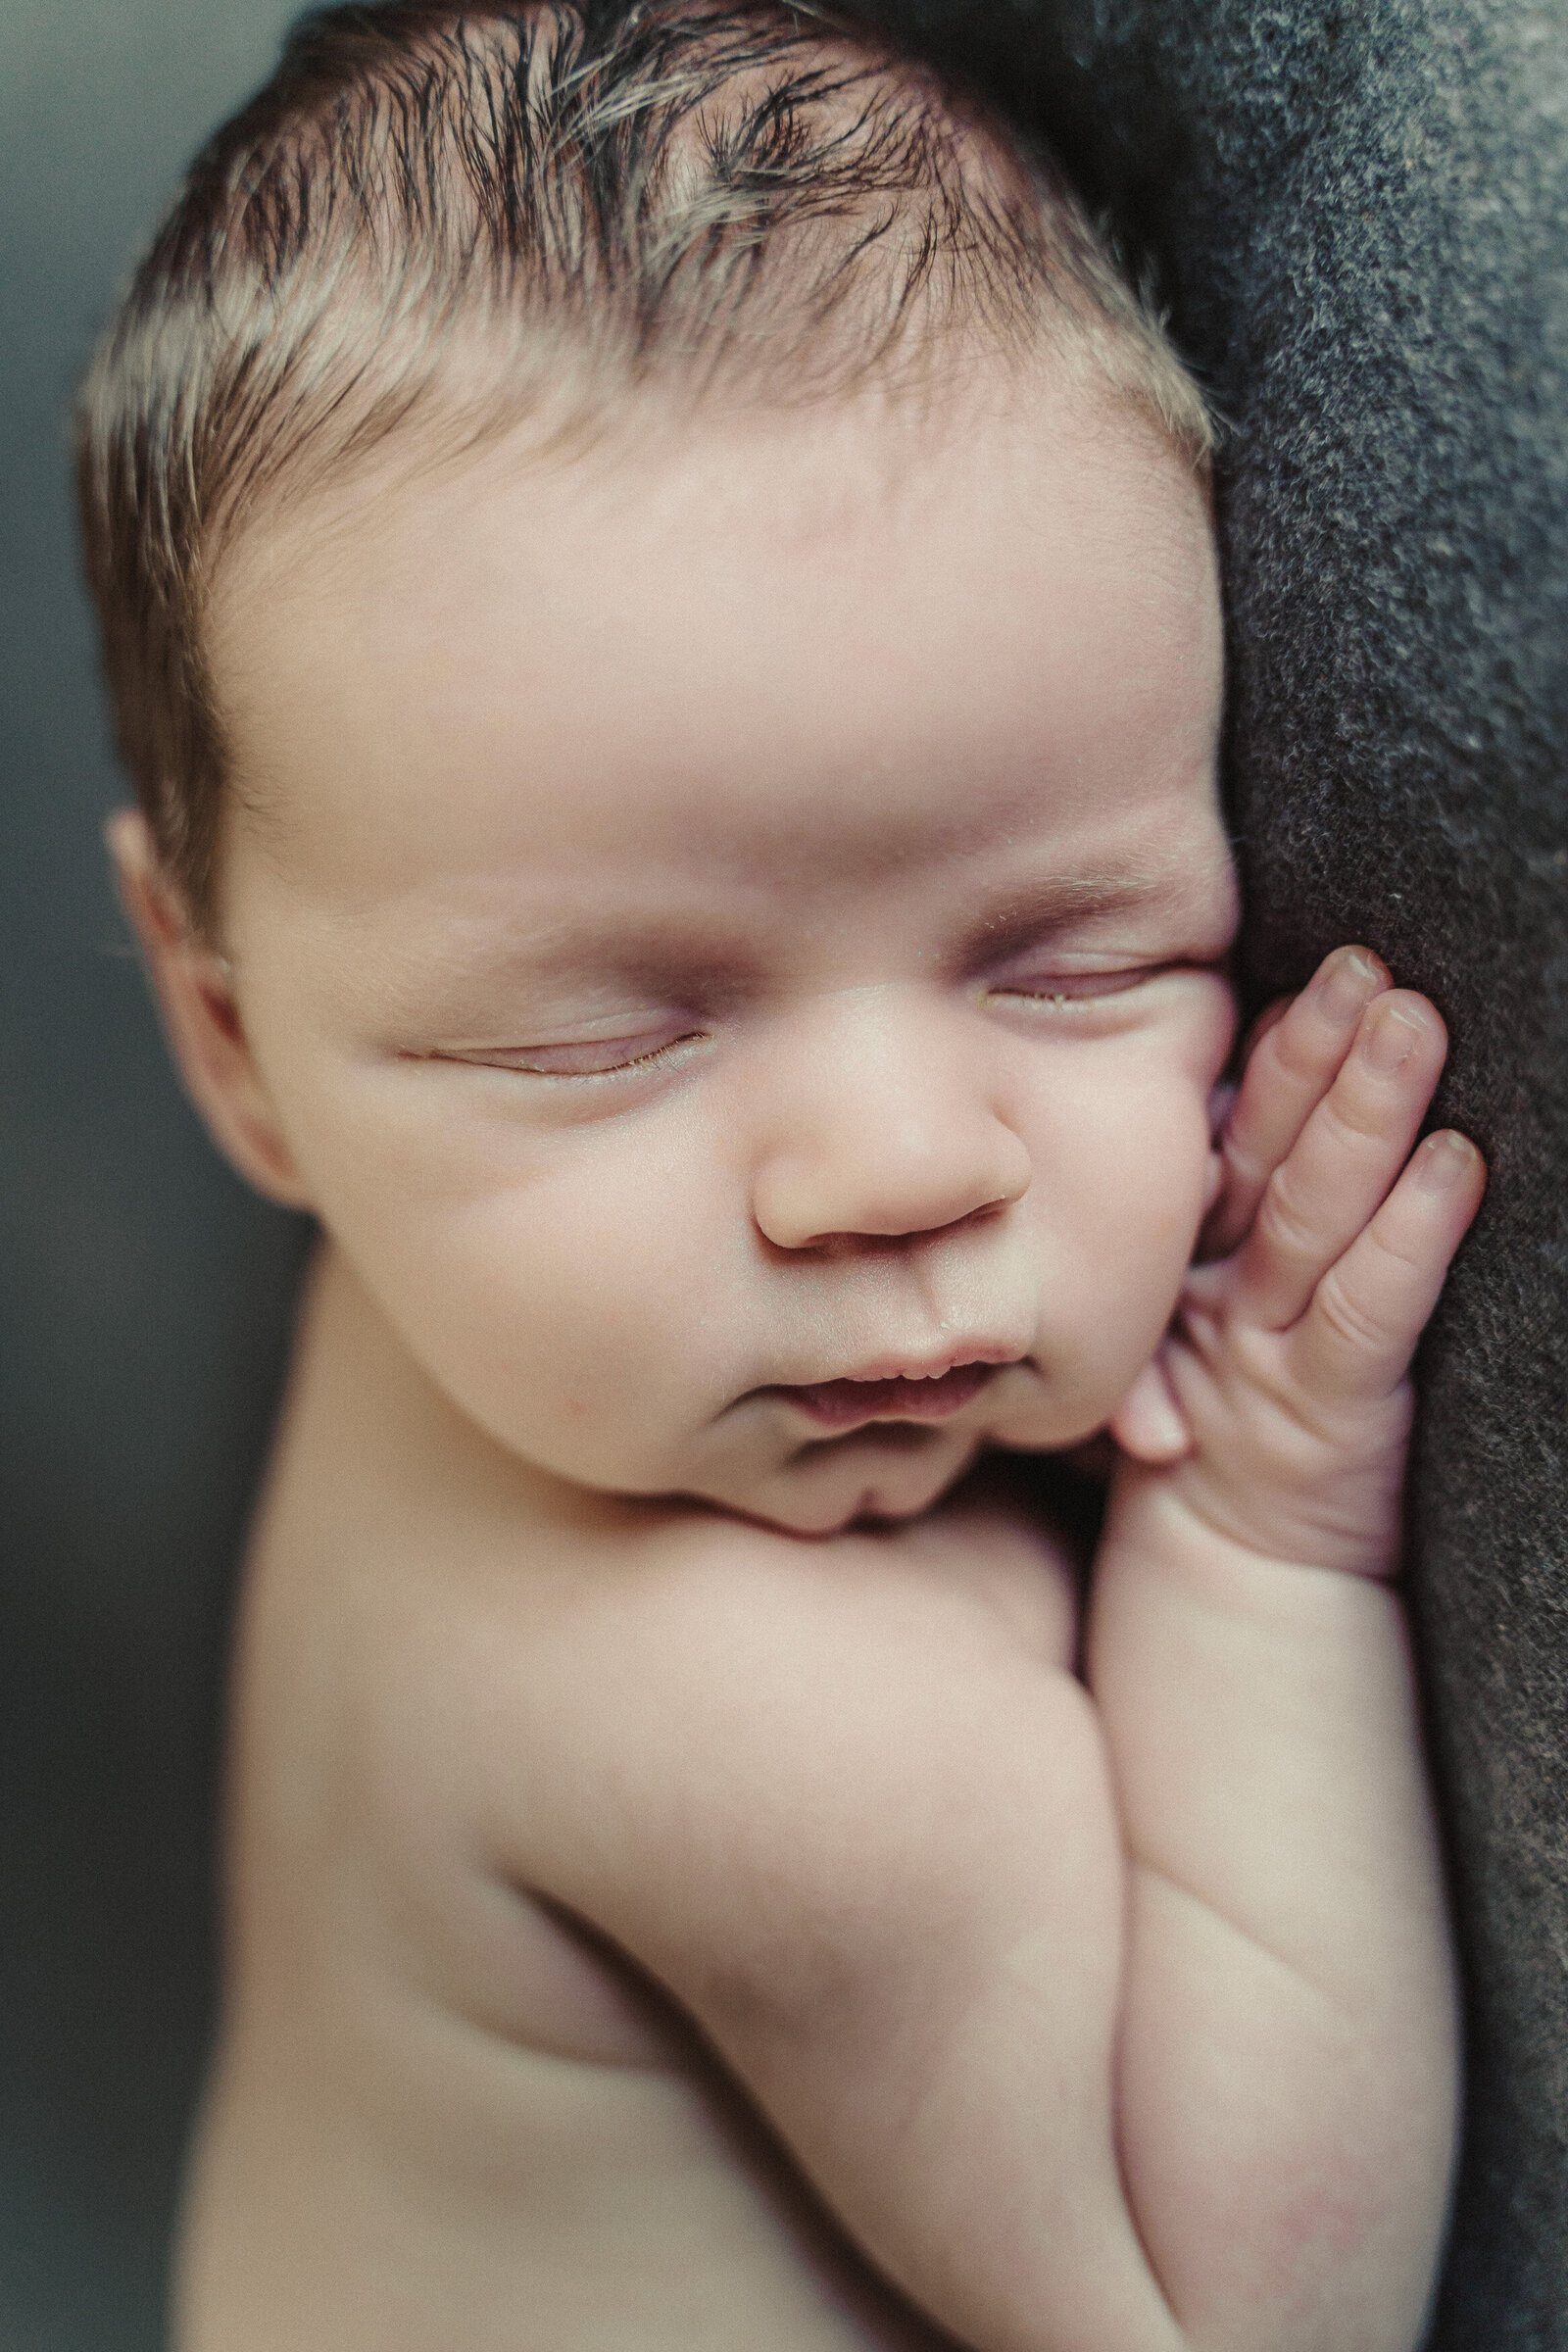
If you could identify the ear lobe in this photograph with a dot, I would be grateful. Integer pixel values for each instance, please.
(202, 1018)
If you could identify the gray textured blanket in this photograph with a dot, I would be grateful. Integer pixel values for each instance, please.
(1358, 210)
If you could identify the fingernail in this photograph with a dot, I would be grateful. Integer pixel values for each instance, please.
(1391, 1037)
(1442, 1160)
(1344, 985)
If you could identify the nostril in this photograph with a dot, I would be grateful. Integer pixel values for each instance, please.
(986, 1214)
(889, 1238)
(893, 1179)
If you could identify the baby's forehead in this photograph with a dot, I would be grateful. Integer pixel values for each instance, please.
(847, 639)
(1011, 471)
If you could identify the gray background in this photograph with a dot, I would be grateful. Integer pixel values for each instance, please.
(1361, 212)
(143, 1291)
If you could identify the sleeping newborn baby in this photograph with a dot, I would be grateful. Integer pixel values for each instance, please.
(659, 596)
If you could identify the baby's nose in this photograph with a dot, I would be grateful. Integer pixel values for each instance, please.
(886, 1134)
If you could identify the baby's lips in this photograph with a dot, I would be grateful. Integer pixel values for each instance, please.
(839, 1403)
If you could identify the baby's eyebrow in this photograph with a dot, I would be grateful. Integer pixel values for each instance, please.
(580, 953)
(703, 947)
(533, 953)
(1020, 916)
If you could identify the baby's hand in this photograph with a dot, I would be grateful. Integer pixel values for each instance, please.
(1279, 1403)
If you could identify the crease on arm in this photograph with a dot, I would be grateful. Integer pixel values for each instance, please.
(1253, 1943)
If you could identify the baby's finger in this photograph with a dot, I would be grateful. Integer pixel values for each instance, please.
(1355, 1340)
(1344, 1160)
(1289, 1069)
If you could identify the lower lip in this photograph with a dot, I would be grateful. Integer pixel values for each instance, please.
(839, 1403)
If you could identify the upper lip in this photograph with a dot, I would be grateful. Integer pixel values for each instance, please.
(914, 1367)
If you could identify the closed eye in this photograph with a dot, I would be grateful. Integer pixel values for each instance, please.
(579, 1057)
(1063, 992)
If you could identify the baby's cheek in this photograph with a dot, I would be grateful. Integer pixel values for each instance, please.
(1083, 1379)
(517, 1304)
(1128, 1278)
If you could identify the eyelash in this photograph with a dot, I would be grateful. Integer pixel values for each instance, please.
(1091, 990)
(614, 1069)
(637, 1061)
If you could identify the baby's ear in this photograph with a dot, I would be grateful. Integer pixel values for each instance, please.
(195, 992)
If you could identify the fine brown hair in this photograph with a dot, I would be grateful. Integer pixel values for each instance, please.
(474, 216)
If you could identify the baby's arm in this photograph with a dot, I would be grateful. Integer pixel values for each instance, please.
(1117, 2018)
(1287, 2072)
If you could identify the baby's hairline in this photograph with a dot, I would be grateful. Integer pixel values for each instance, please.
(456, 430)
(292, 330)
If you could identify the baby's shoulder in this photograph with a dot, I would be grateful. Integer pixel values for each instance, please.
(795, 1734)
(704, 1666)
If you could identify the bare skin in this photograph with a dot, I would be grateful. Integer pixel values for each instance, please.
(570, 2170)
(634, 1740)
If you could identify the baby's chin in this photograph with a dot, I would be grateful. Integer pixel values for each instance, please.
(890, 1471)
(881, 1475)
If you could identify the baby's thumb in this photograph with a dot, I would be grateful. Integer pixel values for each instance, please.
(1148, 1423)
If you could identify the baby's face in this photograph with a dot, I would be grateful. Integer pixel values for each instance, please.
(730, 932)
